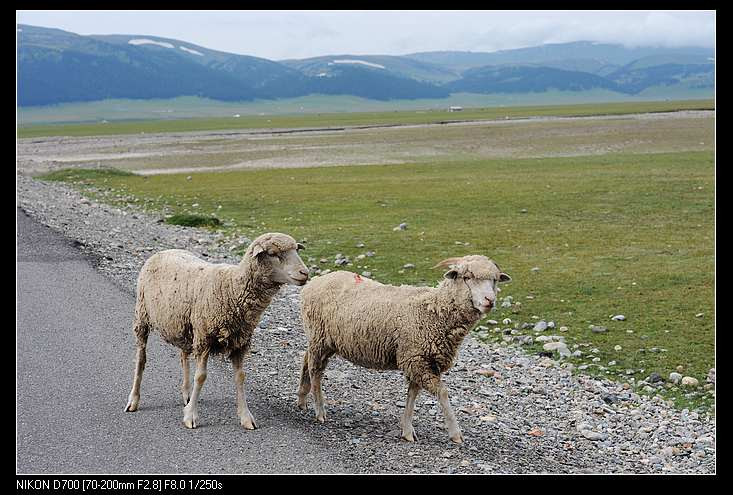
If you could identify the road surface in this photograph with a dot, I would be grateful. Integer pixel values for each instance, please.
(75, 354)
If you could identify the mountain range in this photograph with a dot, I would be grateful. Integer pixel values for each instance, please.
(56, 66)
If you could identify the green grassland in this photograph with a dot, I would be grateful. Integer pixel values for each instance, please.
(306, 120)
(616, 233)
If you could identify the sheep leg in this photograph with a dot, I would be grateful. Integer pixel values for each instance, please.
(190, 412)
(316, 366)
(305, 384)
(141, 332)
(186, 384)
(245, 416)
(408, 432)
(436, 387)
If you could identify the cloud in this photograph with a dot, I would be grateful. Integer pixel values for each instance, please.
(299, 34)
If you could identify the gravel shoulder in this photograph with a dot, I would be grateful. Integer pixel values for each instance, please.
(532, 415)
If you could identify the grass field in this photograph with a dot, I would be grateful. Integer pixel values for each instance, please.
(306, 120)
(616, 233)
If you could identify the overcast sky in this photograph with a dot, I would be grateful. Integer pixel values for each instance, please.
(299, 34)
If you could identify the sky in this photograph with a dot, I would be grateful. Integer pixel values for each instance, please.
(279, 35)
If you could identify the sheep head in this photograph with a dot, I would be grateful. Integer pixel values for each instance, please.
(479, 275)
(279, 254)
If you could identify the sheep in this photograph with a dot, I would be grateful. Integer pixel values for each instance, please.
(207, 309)
(416, 330)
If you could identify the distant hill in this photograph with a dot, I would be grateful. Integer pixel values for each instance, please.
(56, 66)
(523, 79)
(601, 55)
(400, 66)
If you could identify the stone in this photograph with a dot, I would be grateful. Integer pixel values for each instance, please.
(556, 346)
(675, 377)
(689, 381)
(617, 348)
(618, 318)
(598, 329)
(408, 266)
(540, 326)
(593, 435)
(654, 378)
(711, 376)
(506, 321)
(563, 329)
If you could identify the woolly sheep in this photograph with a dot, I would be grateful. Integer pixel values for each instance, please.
(413, 329)
(206, 309)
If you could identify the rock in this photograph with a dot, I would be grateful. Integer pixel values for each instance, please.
(489, 418)
(189, 177)
(563, 329)
(360, 245)
(550, 324)
(408, 266)
(402, 226)
(547, 354)
(506, 321)
(598, 329)
(485, 372)
(492, 322)
(543, 338)
(611, 399)
(711, 376)
(536, 432)
(618, 318)
(675, 377)
(654, 378)
(540, 326)
(699, 315)
(535, 269)
(369, 254)
(367, 274)
(593, 435)
(556, 346)
(689, 381)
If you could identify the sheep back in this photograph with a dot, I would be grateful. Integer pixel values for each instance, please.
(375, 325)
(193, 304)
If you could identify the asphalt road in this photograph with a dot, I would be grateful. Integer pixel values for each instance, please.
(74, 367)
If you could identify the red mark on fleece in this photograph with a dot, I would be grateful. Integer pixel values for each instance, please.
(357, 278)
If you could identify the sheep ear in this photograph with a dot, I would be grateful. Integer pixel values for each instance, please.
(451, 274)
(257, 249)
(503, 277)
(300, 246)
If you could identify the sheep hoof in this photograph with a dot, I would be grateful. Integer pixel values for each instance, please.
(302, 404)
(457, 437)
(190, 418)
(321, 417)
(409, 436)
(131, 406)
(248, 423)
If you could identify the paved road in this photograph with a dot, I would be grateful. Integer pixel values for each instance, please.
(75, 354)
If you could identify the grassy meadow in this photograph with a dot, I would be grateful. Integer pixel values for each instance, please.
(305, 120)
(618, 233)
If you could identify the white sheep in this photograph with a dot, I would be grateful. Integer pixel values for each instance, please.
(205, 308)
(413, 329)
